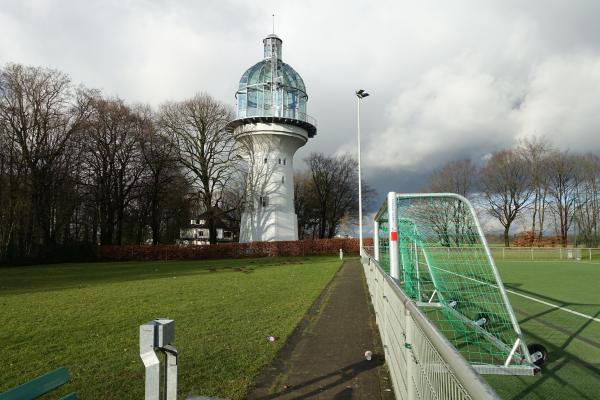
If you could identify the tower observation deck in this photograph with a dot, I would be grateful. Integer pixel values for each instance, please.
(271, 124)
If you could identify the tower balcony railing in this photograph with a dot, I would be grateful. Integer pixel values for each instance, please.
(280, 112)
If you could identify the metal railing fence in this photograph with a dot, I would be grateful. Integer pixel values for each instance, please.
(282, 112)
(546, 254)
(422, 362)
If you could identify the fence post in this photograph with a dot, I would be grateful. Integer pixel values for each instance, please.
(410, 360)
(532, 254)
(376, 240)
(503, 253)
(590, 254)
(393, 227)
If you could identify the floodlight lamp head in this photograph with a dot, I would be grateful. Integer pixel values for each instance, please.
(361, 94)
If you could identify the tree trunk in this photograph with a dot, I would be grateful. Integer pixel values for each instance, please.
(541, 216)
(212, 228)
(155, 229)
(322, 225)
(155, 212)
(534, 214)
(506, 236)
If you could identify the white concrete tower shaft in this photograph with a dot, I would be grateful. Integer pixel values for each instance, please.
(271, 125)
(269, 212)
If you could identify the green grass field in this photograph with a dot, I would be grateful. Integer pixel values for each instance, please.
(573, 342)
(86, 317)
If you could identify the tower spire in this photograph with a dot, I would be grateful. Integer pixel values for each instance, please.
(273, 23)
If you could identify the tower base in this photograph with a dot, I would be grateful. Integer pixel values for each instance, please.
(267, 226)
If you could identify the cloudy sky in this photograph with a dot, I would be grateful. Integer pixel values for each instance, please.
(448, 79)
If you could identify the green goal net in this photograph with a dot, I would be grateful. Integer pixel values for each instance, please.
(433, 246)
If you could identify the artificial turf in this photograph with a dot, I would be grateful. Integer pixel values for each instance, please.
(573, 342)
(86, 317)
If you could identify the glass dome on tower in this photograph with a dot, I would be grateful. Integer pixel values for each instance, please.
(272, 90)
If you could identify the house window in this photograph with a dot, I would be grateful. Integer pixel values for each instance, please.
(201, 221)
(200, 233)
(192, 222)
(227, 235)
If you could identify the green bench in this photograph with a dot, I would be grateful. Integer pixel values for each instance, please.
(40, 386)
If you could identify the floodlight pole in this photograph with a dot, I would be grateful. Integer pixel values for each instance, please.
(360, 94)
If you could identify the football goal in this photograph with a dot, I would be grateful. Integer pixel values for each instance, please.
(433, 247)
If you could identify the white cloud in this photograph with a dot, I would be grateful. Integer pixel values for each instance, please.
(562, 103)
(451, 111)
(463, 110)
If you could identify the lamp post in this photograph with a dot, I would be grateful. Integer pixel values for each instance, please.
(360, 94)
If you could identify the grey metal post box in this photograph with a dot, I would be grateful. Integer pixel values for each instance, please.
(158, 335)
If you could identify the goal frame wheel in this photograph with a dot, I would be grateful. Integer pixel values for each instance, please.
(538, 353)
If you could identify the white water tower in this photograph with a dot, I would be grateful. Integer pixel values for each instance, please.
(271, 124)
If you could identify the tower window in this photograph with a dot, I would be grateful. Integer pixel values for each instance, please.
(265, 160)
(284, 161)
(283, 179)
(280, 161)
(264, 201)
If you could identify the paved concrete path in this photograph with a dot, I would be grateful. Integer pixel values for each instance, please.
(324, 357)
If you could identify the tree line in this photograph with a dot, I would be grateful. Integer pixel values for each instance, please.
(551, 191)
(79, 168)
(326, 195)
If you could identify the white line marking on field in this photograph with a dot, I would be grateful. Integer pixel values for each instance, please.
(555, 306)
(525, 296)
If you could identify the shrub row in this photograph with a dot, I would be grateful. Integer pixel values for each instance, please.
(530, 239)
(230, 250)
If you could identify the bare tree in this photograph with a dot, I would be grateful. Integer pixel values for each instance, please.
(12, 191)
(587, 206)
(205, 149)
(306, 205)
(322, 171)
(113, 163)
(344, 195)
(161, 175)
(450, 218)
(536, 152)
(563, 178)
(39, 111)
(335, 185)
(455, 177)
(506, 187)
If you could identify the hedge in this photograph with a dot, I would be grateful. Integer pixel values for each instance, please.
(229, 250)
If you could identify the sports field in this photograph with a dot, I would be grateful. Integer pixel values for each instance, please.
(86, 317)
(573, 341)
